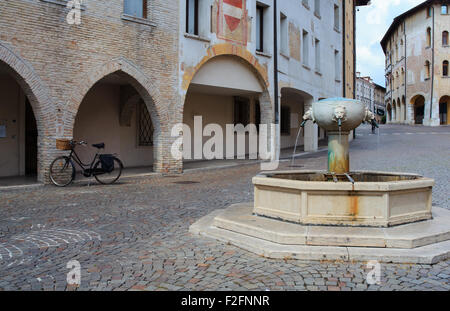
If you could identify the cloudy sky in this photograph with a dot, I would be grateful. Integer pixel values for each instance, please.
(372, 23)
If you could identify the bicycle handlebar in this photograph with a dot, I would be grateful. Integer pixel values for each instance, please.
(79, 142)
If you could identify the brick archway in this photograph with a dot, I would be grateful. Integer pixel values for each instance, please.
(141, 83)
(32, 85)
(37, 94)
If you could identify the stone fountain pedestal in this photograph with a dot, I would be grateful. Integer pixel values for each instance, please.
(337, 214)
(425, 242)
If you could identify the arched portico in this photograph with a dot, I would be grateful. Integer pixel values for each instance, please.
(417, 103)
(294, 104)
(227, 87)
(28, 121)
(444, 107)
(389, 113)
(119, 105)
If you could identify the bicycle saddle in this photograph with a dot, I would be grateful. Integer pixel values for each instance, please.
(99, 146)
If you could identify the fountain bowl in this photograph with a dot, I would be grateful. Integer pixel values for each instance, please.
(375, 199)
(327, 112)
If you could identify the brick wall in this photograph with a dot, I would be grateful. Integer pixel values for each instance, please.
(57, 63)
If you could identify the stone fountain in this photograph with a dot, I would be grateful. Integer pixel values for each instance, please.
(337, 214)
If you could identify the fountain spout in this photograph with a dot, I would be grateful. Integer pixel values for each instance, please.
(303, 123)
(370, 117)
(309, 116)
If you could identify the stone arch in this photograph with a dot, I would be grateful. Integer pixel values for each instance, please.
(38, 95)
(388, 113)
(444, 107)
(230, 50)
(32, 85)
(417, 103)
(242, 55)
(295, 98)
(140, 82)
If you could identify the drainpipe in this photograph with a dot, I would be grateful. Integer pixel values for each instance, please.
(390, 82)
(354, 52)
(406, 68)
(343, 51)
(354, 57)
(275, 60)
(432, 69)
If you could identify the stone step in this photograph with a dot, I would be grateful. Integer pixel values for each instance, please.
(428, 254)
(239, 218)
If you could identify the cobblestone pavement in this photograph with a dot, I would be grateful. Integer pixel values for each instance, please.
(134, 235)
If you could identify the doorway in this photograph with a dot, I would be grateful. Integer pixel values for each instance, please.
(31, 136)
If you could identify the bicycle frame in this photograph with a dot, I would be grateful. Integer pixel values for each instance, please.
(85, 167)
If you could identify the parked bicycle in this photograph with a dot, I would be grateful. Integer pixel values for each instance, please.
(106, 168)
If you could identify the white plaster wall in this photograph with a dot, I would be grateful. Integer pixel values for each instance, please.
(322, 83)
(98, 121)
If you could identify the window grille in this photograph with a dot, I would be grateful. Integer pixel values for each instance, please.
(145, 126)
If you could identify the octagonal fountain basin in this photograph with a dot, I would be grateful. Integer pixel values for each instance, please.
(375, 199)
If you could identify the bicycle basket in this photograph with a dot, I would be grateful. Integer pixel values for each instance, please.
(107, 161)
(63, 144)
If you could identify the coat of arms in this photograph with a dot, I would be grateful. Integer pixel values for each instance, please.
(232, 22)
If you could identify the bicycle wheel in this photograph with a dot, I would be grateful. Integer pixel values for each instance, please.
(111, 177)
(62, 171)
